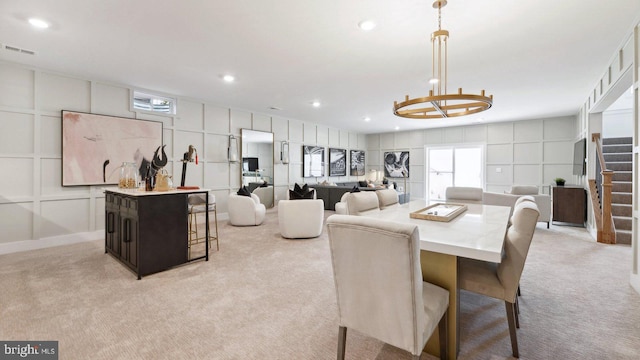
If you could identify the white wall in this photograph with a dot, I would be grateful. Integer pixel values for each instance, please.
(530, 152)
(36, 211)
(617, 123)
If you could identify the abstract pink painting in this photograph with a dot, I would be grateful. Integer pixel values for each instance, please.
(95, 146)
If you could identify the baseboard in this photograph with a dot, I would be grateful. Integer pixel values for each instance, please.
(27, 245)
(634, 280)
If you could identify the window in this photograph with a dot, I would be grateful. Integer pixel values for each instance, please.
(154, 103)
(453, 166)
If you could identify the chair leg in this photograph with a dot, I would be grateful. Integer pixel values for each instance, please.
(342, 342)
(516, 307)
(519, 290)
(547, 224)
(512, 328)
(443, 335)
(415, 357)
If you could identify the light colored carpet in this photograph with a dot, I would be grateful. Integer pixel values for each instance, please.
(265, 297)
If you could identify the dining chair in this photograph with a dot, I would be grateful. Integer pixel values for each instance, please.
(379, 287)
(464, 194)
(387, 198)
(501, 281)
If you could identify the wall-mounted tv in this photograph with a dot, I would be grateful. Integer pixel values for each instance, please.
(250, 164)
(579, 155)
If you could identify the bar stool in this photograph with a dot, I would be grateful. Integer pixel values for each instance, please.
(197, 205)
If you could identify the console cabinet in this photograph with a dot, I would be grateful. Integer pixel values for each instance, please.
(146, 233)
(570, 204)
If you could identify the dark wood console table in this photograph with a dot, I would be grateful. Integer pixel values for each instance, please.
(148, 231)
(569, 204)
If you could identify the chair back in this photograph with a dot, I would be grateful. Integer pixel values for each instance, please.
(376, 268)
(387, 198)
(516, 246)
(464, 194)
(359, 203)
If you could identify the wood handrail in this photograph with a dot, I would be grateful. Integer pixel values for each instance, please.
(602, 207)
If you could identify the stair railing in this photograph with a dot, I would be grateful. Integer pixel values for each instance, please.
(601, 195)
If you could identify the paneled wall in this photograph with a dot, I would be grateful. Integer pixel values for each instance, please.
(36, 211)
(530, 152)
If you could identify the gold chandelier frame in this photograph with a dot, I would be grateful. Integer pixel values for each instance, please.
(439, 104)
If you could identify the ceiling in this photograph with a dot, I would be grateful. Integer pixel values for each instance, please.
(538, 59)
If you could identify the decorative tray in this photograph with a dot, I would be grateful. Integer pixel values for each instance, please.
(439, 212)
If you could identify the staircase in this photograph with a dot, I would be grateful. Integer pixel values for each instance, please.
(618, 154)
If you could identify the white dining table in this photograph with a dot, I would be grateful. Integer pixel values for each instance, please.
(477, 233)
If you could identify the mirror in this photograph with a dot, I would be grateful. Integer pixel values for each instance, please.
(257, 164)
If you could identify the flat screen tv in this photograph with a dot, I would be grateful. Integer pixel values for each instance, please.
(579, 155)
(250, 164)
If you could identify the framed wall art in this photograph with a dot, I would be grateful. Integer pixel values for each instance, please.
(357, 163)
(95, 146)
(312, 161)
(396, 164)
(337, 162)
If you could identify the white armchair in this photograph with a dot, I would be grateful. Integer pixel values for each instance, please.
(301, 218)
(265, 194)
(245, 210)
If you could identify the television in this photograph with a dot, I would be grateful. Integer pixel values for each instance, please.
(250, 164)
(579, 155)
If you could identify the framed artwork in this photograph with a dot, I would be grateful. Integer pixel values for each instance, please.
(337, 162)
(95, 146)
(357, 163)
(312, 161)
(396, 164)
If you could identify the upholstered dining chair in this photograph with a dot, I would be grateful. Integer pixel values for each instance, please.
(358, 203)
(464, 194)
(245, 210)
(387, 198)
(501, 281)
(379, 287)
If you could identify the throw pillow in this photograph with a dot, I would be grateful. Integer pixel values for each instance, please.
(362, 183)
(264, 184)
(355, 189)
(244, 191)
(298, 196)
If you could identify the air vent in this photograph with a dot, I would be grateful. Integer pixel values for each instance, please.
(274, 108)
(18, 50)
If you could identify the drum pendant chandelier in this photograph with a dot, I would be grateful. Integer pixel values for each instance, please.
(440, 104)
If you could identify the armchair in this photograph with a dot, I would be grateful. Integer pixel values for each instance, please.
(245, 210)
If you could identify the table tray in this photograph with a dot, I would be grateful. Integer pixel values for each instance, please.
(444, 212)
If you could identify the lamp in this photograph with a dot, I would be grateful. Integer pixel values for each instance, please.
(439, 104)
(232, 150)
(284, 152)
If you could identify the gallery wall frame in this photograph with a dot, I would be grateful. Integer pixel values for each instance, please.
(312, 161)
(357, 163)
(396, 164)
(94, 146)
(337, 162)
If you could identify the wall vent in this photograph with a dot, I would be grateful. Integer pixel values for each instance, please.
(18, 50)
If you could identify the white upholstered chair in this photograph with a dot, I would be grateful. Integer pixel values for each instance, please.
(464, 194)
(379, 287)
(500, 281)
(387, 198)
(301, 218)
(265, 194)
(245, 210)
(358, 203)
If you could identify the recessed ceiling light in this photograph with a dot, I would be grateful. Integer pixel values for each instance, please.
(397, 128)
(434, 81)
(479, 120)
(367, 25)
(367, 119)
(316, 104)
(229, 78)
(41, 24)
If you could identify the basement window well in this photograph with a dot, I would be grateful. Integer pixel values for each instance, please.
(154, 103)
